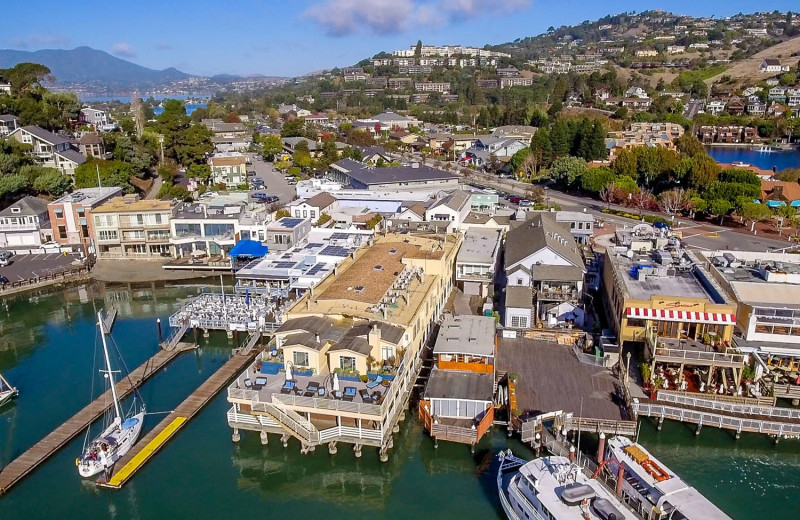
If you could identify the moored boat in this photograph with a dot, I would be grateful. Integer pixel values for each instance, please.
(7, 392)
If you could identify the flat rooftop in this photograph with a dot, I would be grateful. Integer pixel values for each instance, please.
(550, 378)
(87, 196)
(481, 246)
(119, 205)
(684, 280)
(285, 223)
(453, 384)
(758, 278)
(466, 335)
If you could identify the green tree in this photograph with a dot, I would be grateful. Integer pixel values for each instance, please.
(271, 145)
(568, 170)
(541, 146)
(753, 212)
(52, 182)
(560, 141)
(704, 171)
(293, 127)
(201, 172)
(418, 49)
(192, 145)
(25, 77)
(112, 173)
(689, 145)
(625, 164)
(595, 179)
(720, 208)
(626, 185)
(12, 184)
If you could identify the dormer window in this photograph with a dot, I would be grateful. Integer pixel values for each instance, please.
(16, 210)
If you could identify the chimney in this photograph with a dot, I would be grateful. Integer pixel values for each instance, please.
(777, 191)
(374, 337)
(316, 338)
(335, 270)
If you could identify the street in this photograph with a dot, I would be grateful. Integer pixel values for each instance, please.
(275, 182)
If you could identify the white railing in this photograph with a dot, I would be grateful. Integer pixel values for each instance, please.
(290, 420)
(336, 405)
(19, 227)
(713, 419)
(722, 406)
(348, 431)
(699, 355)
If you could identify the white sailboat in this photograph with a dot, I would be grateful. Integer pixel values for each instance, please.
(7, 392)
(119, 432)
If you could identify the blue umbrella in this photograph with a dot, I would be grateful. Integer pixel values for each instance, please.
(247, 297)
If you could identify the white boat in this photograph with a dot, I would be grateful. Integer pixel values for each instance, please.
(7, 392)
(649, 485)
(554, 488)
(119, 432)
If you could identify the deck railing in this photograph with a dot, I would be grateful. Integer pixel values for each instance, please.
(714, 419)
(290, 420)
(699, 355)
(726, 407)
(328, 404)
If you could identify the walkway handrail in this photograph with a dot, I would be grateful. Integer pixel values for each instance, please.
(715, 419)
(722, 406)
(301, 427)
(699, 355)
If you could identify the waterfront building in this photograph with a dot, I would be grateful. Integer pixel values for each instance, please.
(542, 262)
(129, 228)
(212, 227)
(369, 317)
(766, 287)
(457, 404)
(477, 261)
(668, 303)
(307, 263)
(71, 215)
(580, 224)
(25, 223)
(286, 232)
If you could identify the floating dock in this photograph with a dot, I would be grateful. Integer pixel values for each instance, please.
(23, 465)
(151, 443)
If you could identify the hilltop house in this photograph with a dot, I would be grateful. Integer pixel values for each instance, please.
(8, 124)
(49, 149)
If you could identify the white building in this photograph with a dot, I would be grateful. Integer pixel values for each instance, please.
(477, 261)
(25, 223)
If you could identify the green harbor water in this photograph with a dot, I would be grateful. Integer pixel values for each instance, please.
(47, 344)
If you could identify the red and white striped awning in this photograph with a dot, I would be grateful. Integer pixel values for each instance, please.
(713, 318)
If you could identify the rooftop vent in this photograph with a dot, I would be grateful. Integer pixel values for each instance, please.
(378, 268)
(393, 251)
(359, 288)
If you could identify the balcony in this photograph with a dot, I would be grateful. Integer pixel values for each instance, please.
(19, 227)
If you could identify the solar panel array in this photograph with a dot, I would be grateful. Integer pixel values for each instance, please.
(315, 245)
(340, 236)
(291, 222)
(335, 251)
(284, 265)
(314, 270)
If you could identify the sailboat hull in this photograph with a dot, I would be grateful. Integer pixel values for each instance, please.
(110, 446)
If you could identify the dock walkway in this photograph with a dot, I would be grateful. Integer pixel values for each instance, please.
(151, 443)
(23, 465)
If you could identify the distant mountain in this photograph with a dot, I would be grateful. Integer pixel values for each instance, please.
(91, 66)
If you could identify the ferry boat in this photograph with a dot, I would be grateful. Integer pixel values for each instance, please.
(554, 488)
(651, 488)
(7, 392)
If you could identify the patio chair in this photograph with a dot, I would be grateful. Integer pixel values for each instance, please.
(320, 392)
(259, 383)
(364, 393)
(349, 393)
(336, 394)
(298, 390)
(248, 384)
(288, 386)
(375, 382)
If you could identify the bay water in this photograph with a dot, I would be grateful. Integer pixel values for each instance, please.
(47, 344)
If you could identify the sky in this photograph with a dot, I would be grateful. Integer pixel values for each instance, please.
(295, 37)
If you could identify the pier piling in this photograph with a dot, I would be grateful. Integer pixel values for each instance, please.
(332, 448)
(357, 450)
(264, 438)
(236, 437)
(160, 334)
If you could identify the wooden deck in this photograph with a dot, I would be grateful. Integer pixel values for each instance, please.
(23, 465)
(151, 443)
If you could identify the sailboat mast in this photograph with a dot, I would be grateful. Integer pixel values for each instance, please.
(108, 366)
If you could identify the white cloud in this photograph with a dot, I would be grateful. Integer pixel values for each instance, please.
(123, 50)
(343, 17)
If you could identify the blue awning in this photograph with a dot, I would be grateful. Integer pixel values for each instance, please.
(795, 203)
(775, 203)
(252, 248)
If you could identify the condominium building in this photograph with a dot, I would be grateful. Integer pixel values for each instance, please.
(71, 215)
(370, 317)
(126, 227)
(228, 168)
(430, 86)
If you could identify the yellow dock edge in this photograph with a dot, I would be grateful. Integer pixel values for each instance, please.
(120, 477)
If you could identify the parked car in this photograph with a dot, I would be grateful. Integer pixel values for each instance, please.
(3, 280)
(6, 254)
(4, 262)
(251, 173)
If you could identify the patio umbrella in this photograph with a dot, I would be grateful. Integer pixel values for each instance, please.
(288, 373)
(335, 382)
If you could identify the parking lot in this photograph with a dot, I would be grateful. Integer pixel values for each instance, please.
(26, 267)
(273, 179)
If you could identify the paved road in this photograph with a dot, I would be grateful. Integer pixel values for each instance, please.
(276, 183)
(701, 238)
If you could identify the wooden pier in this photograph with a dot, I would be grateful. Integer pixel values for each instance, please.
(151, 443)
(23, 465)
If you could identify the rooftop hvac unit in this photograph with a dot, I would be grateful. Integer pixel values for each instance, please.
(731, 260)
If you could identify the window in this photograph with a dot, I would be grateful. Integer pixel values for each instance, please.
(519, 281)
(138, 219)
(347, 362)
(107, 235)
(300, 359)
(84, 230)
(387, 351)
(81, 212)
(520, 322)
(62, 232)
(58, 212)
(305, 213)
(313, 214)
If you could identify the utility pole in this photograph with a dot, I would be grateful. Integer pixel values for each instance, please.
(161, 142)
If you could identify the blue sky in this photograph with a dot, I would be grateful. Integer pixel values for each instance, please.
(293, 37)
